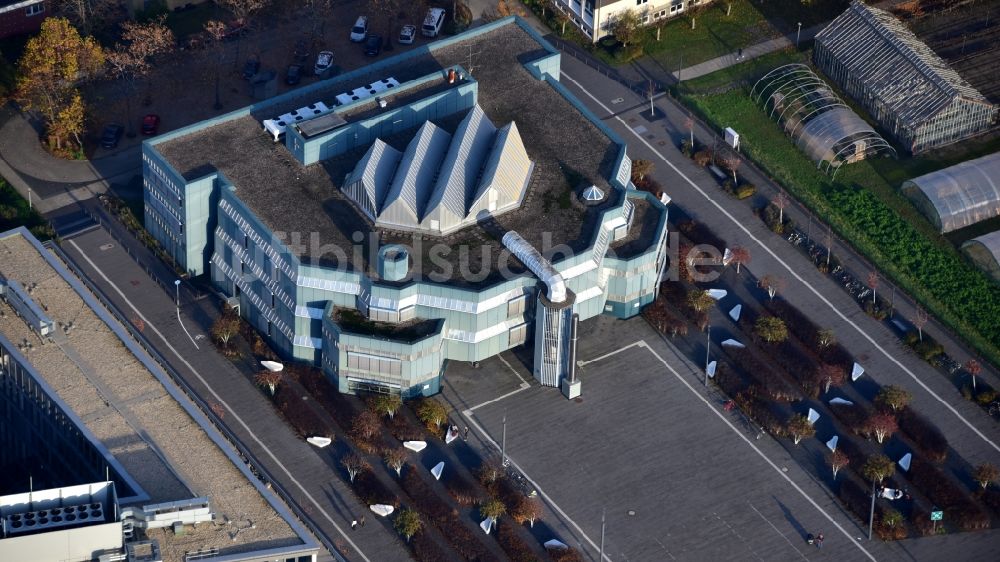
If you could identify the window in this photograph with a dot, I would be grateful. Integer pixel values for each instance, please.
(640, 2)
(34, 9)
(517, 334)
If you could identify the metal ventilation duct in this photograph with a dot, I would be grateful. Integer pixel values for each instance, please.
(538, 265)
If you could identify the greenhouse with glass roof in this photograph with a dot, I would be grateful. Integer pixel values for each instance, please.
(960, 195)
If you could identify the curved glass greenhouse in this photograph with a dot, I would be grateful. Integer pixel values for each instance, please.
(984, 251)
(960, 195)
(819, 122)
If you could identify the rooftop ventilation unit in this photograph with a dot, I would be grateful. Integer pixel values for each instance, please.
(20, 300)
(366, 92)
(186, 512)
(276, 127)
(48, 519)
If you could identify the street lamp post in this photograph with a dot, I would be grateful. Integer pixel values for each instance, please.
(708, 350)
(503, 441)
(871, 513)
(177, 292)
(798, 34)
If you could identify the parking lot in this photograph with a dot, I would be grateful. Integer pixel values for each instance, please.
(679, 478)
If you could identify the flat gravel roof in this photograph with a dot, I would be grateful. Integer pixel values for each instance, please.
(132, 414)
(569, 152)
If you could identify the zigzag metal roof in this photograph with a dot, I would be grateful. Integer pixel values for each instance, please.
(903, 72)
(456, 180)
(375, 170)
(415, 176)
(443, 182)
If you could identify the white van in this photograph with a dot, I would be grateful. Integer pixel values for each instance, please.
(359, 32)
(432, 22)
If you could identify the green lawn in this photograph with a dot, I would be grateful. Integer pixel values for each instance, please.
(14, 212)
(865, 208)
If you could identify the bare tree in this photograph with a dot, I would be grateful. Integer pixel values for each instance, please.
(740, 256)
(881, 425)
(132, 58)
(838, 460)
(920, 320)
(243, 11)
(873, 282)
(354, 464)
(773, 284)
(269, 379)
(893, 397)
(732, 162)
(365, 425)
(826, 338)
(395, 459)
(830, 375)
(799, 428)
(88, 15)
(387, 404)
(985, 474)
(781, 201)
(974, 368)
(527, 510)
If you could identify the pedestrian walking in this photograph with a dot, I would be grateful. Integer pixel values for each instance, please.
(354, 524)
(819, 540)
(466, 433)
(362, 521)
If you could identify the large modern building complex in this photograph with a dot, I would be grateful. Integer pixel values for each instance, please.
(104, 458)
(445, 204)
(908, 89)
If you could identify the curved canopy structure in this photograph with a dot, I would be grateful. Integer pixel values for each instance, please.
(984, 251)
(819, 122)
(960, 195)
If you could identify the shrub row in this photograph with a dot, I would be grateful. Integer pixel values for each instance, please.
(925, 436)
(809, 333)
(426, 550)
(466, 544)
(302, 418)
(853, 417)
(699, 233)
(956, 503)
(513, 545)
(767, 382)
(371, 490)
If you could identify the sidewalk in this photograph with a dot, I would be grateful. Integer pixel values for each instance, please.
(738, 57)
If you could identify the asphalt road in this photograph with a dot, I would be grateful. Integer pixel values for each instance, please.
(180, 337)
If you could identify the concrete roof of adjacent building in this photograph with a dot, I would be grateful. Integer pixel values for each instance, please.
(569, 151)
(124, 406)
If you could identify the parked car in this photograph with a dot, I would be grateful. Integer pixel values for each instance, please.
(150, 124)
(432, 22)
(360, 30)
(407, 34)
(293, 75)
(111, 135)
(301, 50)
(251, 68)
(373, 45)
(324, 60)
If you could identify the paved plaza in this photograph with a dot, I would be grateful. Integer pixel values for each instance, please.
(680, 478)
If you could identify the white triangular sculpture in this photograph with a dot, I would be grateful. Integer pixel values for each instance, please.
(415, 445)
(841, 401)
(735, 312)
(832, 443)
(437, 470)
(382, 510)
(727, 257)
(319, 441)
(272, 366)
(451, 435)
(857, 372)
(711, 369)
(553, 543)
(487, 524)
(812, 416)
(732, 343)
(717, 294)
(904, 462)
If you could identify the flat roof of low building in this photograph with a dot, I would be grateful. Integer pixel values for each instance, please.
(125, 406)
(569, 151)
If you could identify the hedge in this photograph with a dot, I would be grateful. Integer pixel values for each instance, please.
(928, 439)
